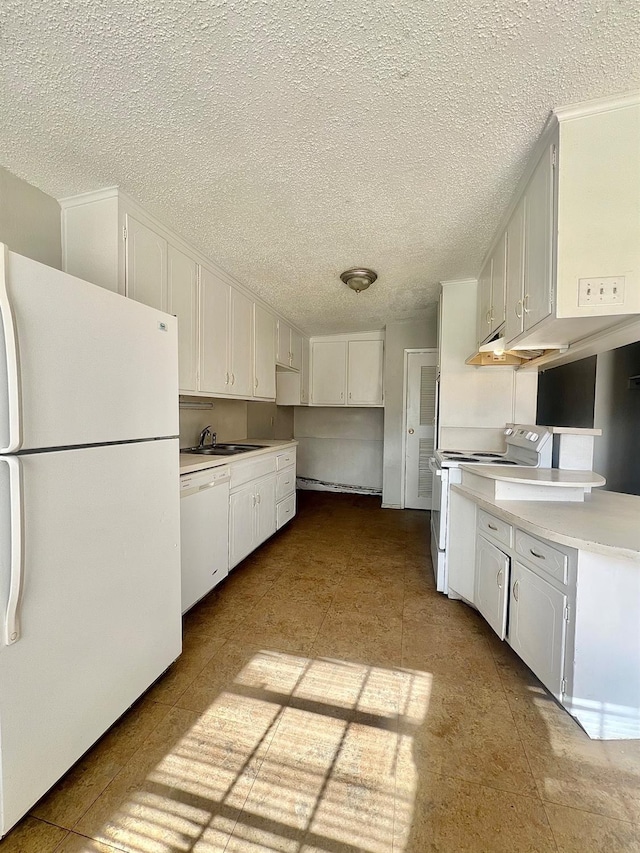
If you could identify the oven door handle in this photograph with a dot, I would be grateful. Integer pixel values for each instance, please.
(433, 467)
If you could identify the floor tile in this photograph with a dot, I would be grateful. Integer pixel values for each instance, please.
(442, 815)
(578, 831)
(33, 836)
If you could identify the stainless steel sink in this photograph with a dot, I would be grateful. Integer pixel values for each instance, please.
(223, 449)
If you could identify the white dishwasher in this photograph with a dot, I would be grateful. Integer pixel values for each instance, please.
(204, 532)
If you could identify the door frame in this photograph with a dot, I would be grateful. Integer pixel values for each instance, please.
(405, 372)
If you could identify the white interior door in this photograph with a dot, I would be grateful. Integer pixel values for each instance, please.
(420, 420)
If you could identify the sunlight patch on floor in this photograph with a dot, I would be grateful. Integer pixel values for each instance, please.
(298, 754)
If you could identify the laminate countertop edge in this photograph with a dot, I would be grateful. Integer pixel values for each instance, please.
(606, 523)
(191, 462)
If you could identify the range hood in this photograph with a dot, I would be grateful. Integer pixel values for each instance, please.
(493, 352)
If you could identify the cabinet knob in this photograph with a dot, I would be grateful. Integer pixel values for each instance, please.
(411, 430)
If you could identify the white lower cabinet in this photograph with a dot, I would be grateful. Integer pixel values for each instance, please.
(265, 509)
(260, 488)
(537, 626)
(492, 584)
(252, 517)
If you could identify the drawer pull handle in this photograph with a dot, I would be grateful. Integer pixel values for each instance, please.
(535, 554)
(498, 581)
(515, 590)
(491, 526)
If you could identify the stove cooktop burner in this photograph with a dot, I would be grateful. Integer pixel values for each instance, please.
(466, 459)
(488, 455)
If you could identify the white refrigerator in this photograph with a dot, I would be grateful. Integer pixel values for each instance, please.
(90, 600)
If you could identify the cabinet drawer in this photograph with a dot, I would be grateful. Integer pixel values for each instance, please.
(494, 527)
(285, 510)
(283, 460)
(244, 472)
(541, 555)
(286, 483)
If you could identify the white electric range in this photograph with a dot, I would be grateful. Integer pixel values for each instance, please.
(527, 445)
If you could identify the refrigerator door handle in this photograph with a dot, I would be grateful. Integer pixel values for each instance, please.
(16, 577)
(13, 363)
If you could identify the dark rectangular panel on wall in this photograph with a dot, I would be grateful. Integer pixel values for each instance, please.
(566, 394)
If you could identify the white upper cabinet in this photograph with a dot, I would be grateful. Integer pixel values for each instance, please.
(264, 354)
(484, 301)
(346, 370)
(514, 321)
(289, 346)
(296, 350)
(240, 345)
(146, 265)
(364, 376)
(182, 301)
(572, 248)
(491, 292)
(215, 298)
(292, 388)
(328, 373)
(538, 235)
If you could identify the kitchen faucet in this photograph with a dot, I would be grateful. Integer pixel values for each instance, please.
(207, 432)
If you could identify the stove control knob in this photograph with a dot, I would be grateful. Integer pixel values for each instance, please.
(508, 431)
(534, 436)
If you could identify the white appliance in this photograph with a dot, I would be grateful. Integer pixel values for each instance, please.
(527, 445)
(89, 518)
(204, 532)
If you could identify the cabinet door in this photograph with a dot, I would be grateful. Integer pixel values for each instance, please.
(146, 265)
(214, 333)
(328, 373)
(240, 365)
(364, 382)
(242, 511)
(515, 274)
(266, 509)
(537, 626)
(264, 353)
(182, 294)
(296, 350)
(498, 285)
(492, 583)
(283, 350)
(304, 374)
(538, 242)
(484, 301)
(461, 546)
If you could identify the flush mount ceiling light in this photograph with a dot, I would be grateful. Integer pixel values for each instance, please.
(359, 278)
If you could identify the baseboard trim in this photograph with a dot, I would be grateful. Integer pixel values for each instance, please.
(310, 485)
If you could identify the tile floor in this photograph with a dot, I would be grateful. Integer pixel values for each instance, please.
(329, 700)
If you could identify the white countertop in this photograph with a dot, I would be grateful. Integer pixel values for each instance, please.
(190, 462)
(537, 476)
(606, 523)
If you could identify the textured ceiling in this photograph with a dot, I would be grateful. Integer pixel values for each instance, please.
(290, 140)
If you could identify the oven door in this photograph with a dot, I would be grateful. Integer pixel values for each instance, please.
(439, 503)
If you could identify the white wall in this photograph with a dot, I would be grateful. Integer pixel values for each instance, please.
(29, 220)
(340, 447)
(408, 334)
(227, 417)
(266, 420)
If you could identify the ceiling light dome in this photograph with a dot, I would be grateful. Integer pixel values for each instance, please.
(358, 278)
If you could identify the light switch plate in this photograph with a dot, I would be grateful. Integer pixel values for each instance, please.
(607, 290)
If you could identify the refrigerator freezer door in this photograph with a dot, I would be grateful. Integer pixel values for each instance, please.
(92, 367)
(99, 609)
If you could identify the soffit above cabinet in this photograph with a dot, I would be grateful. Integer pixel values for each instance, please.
(279, 138)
